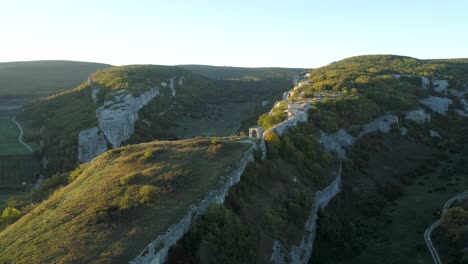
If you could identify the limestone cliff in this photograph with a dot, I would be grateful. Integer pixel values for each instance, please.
(116, 119)
(91, 143)
(117, 116)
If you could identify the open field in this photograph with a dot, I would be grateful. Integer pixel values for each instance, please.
(407, 219)
(9, 144)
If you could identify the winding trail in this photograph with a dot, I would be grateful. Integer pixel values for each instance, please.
(20, 137)
(428, 232)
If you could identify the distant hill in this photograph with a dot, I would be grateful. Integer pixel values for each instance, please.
(42, 78)
(241, 73)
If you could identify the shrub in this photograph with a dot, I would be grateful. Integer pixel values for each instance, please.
(148, 154)
(125, 180)
(74, 174)
(214, 150)
(148, 194)
(10, 214)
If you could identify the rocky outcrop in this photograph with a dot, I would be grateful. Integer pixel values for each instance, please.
(381, 124)
(434, 134)
(94, 90)
(425, 83)
(440, 86)
(297, 113)
(172, 86)
(437, 104)
(91, 143)
(156, 251)
(336, 142)
(116, 118)
(419, 116)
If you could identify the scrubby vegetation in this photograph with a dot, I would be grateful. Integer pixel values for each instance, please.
(375, 176)
(240, 73)
(116, 204)
(357, 89)
(272, 201)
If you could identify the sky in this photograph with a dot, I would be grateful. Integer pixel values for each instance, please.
(249, 33)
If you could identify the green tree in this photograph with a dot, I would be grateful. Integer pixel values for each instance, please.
(454, 220)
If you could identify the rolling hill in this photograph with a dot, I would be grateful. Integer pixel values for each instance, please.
(119, 202)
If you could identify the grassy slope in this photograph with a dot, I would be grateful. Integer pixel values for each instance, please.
(41, 78)
(98, 218)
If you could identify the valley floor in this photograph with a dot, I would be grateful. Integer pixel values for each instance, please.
(9, 144)
(405, 221)
(390, 223)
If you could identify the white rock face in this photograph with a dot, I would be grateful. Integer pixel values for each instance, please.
(336, 142)
(425, 83)
(117, 116)
(296, 79)
(172, 86)
(156, 251)
(440, 86)
(94, 93)
(419, 116)
(381, 124)
(437, 104)
(297, 113)
(434, 134)
(94, 90)
(91, 143)
(403, 131)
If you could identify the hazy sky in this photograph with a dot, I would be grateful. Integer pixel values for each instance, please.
(288, 33)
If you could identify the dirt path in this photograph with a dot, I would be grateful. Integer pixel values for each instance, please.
(20, 137)
(428, 232)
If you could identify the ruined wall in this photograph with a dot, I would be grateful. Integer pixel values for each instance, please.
(156, 252)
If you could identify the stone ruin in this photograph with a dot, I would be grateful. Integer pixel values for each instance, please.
(256, 132)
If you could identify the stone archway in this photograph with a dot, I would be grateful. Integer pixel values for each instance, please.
(256, 132)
